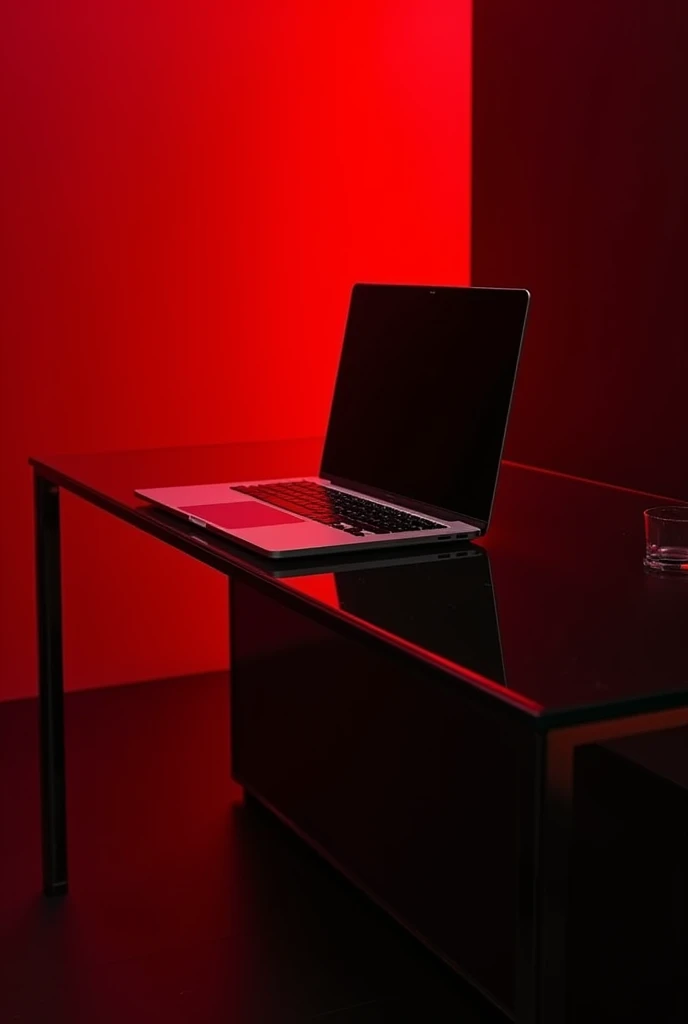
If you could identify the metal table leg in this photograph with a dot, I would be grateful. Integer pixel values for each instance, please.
(544, 881)
(50, 686)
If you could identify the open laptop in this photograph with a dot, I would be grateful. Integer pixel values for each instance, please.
(415, 435)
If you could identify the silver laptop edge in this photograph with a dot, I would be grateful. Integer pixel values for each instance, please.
(305, 537)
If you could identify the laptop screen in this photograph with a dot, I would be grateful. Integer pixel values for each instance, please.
(422, 397)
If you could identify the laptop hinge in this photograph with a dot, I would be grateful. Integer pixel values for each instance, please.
(397, 499)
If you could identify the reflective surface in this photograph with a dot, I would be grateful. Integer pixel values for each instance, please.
(563, 622)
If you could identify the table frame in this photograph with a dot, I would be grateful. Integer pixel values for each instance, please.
(546, 802)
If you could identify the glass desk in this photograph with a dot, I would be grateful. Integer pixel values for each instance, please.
(416, 716)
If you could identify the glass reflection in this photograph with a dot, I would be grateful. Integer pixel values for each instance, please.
(442, 604)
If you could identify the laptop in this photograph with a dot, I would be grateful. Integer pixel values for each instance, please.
(415, 435)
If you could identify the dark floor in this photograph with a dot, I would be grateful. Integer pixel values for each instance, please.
(186, 906)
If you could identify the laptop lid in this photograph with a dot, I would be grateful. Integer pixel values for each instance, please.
(422, 396)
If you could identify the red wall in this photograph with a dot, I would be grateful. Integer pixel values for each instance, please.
(187, 194)
(580, 192)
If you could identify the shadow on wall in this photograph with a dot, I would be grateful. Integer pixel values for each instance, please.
(580, 193)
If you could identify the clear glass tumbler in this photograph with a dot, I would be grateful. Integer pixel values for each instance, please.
(666, 539)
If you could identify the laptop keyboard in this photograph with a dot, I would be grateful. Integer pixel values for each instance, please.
(342, 511)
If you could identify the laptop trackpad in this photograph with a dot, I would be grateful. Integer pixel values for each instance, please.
(238, 515)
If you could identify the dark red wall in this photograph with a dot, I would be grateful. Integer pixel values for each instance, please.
(580, 178)
(187, 193)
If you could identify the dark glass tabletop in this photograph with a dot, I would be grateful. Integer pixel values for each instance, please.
(551, 612)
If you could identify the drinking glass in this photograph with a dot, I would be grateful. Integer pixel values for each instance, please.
(666, 539)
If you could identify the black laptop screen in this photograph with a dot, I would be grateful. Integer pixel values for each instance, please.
(423, 391)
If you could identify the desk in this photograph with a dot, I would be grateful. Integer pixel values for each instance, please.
(419, 723)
